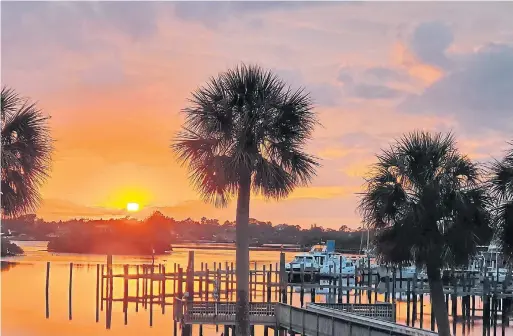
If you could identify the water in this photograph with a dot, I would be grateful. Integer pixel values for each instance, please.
(23, 294)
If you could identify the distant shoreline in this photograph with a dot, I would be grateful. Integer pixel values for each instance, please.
(227, 246)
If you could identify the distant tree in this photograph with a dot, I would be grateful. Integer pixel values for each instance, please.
(428, 206)
(26, 149)
(344, 228)
(246, 130)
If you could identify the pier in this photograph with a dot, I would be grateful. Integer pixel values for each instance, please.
(205, 295)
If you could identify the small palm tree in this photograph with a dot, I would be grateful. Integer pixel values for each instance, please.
(501, 186)
(427, 205)
(244, 131)
(26, 149)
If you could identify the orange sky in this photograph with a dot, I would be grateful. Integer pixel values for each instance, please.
(114, 76)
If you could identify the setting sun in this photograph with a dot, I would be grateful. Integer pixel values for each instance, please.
(132, 207)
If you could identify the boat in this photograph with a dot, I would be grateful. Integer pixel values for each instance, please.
(302, 262)
(406, 272)
(310, 262)
(336, 265)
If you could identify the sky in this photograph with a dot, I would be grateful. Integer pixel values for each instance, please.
(114, 77)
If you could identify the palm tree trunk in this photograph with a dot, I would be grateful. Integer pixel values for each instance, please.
(242, 256)
(438, 301)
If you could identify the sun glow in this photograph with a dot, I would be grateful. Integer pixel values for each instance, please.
(132, 207)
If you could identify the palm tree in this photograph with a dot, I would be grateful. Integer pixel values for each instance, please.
(245, 131)
(26, 149)
(501, 187)
(427, 205)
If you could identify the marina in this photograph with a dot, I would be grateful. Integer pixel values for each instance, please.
(204, 295)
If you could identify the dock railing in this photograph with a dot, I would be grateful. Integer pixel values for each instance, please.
(214, 312)
(383, 311)
(322, 321)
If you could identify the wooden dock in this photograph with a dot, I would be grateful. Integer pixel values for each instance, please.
(315, 320)
(206, 295)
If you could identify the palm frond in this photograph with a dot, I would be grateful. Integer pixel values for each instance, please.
(26, 153)
(501, 187)
(424, 191)
(248, 120)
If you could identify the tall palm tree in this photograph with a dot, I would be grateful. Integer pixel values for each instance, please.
(244, 132)
(26, 150)
(501, 187)
(427, 205)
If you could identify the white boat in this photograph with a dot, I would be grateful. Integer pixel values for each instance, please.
(337, 265)
(402, 273)
(366, 262)
(303, 261)
(312, 262)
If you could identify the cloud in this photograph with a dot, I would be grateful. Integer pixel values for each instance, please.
(430, 41)
(371, 91)
(385, 74)
(478, 96)
(213, 14)
(52, 209)
(358, 83)
(334, 152)
(345, 77)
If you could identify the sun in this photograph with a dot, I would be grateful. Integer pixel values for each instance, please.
(132, 207)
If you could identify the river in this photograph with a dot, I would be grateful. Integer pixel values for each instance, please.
(23, 294)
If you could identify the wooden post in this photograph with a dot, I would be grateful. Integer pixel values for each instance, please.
(125, 293)
(400, 277)
(227, 281)
(250, 285)
(163, 288)
(454, 302)
(339, 298)
(263, 282)
(137, 289)
(408, 303)
(432, 321)
(283, 284)
(421, 319)
(232, 274)
(347, 290)
(269, 283)
(414, 297)
(146, 271)
(356, 283)
(394, 280)
(200, 290)
(302, 293)
(152, 272)
(387, 283)
(175, 278)
(179, 288)
(376, 282)
(70, 290)
(190, 275)
(291, 293)
(47, 289)
(207, 282)
(102, 277)
(255, 282)
(369, 278)
(110, 279)
(97, 311)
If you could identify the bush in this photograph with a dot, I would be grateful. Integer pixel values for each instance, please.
(10, 249)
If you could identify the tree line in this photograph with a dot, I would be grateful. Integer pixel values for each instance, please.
(168, 231)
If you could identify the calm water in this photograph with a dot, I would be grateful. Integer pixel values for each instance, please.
(23, 294)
